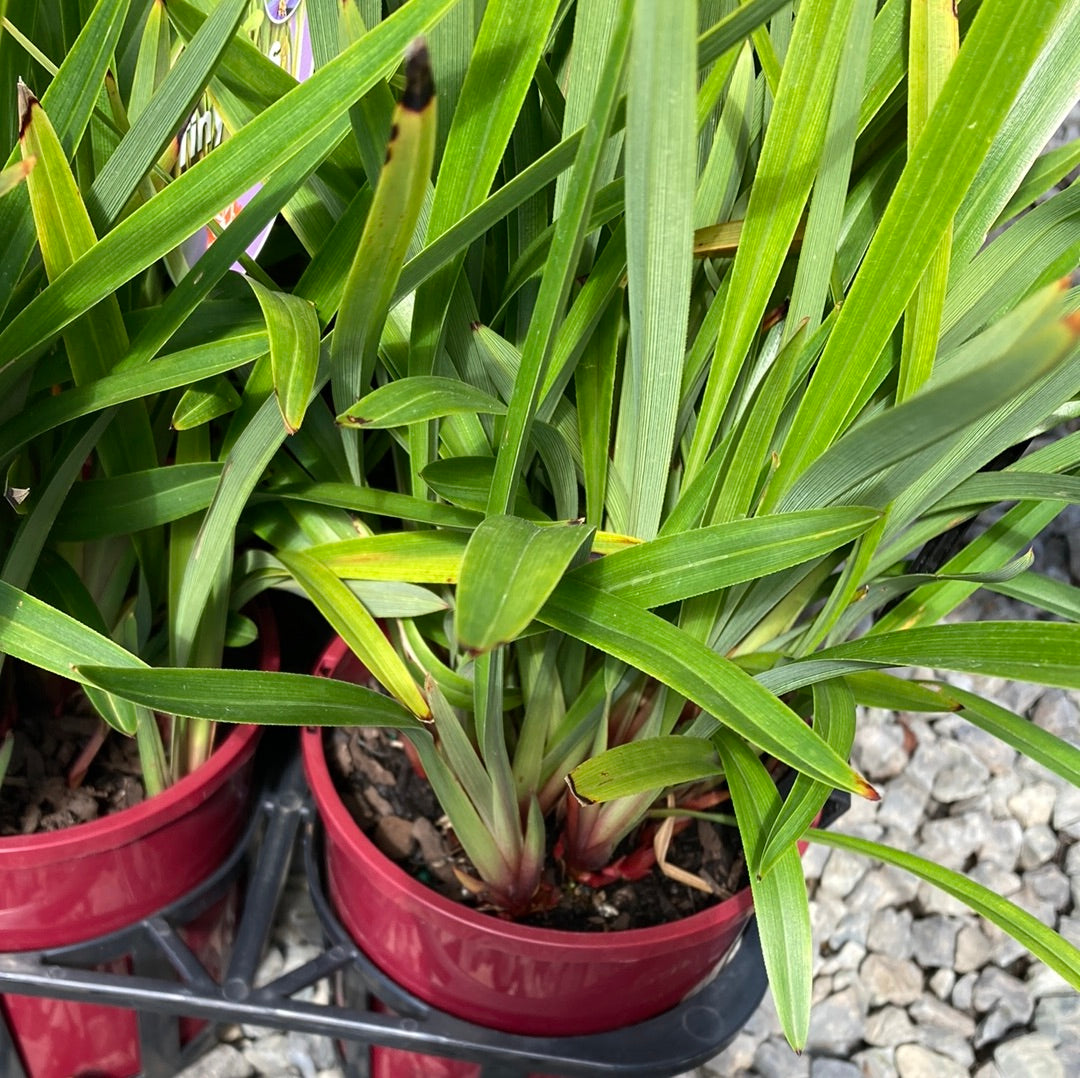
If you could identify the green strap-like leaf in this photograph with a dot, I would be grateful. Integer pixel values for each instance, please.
(789, 158)
(251, 696)
(639, 767)
(285, 132)
(69, 101)
(292, 326)
(695, 562)
(357, 627)
(415, 400)
(427, 557)
(166, 111)
(391, 222)
(40, 634)
(1060, 955)
(780, 901)
(128, 503)
(1047, 653)
(834, 719)
(510, 568)
(660, 178)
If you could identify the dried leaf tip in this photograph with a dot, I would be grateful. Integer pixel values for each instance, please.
(867, 791)
(26, 101)
(419, 80)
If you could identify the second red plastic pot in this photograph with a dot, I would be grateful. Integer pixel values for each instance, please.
(492, 972)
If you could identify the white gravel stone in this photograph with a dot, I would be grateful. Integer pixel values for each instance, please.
(222, 1061)
(1033, 804)
(932, 900)
(952, 840)
(903, 804)
(836, 1024)
(1057, 1015)
(942, 982)
(852, 927)
(934, 941)
(995, 986)
(886, 886)
(891, 980)
(1067, 812)
(1030, 1056)
(1050, 884)
(889, 932)
(914, 1061)
(269, 1055)
(1006, 999)
(1000, 789)
(879, 752)
(813, 860)
(995, 877)
(848, 958)
(1040, 843)
(965, 778)
(888, 1027)
(737, 1056)
(963, 991)
(931, 1011)
(973, 949)
(949, 1044)
(876, 1062)
(1001, 843)
(1043, 981)
(842, 872)
(1056, 712)
(833, 1068)
(991, 751)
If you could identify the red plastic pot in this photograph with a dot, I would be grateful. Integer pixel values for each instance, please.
(70, 886)
(492, 972)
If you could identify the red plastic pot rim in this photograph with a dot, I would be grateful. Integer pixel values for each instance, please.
(345, 832)
(131, 824)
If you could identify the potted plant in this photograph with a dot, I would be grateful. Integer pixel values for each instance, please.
(108, 464)
(619, 491)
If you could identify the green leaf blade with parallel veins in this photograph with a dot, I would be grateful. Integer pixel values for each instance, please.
(261, 697)
(780, 900)
(695, 562)
(292, 326)
(417, 399)
(351, 620)
(510, 568)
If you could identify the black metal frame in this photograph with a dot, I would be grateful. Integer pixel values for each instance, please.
(168, 981)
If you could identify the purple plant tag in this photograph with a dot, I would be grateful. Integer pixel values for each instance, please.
(279, 29)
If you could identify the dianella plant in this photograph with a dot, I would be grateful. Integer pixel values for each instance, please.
(618, 392)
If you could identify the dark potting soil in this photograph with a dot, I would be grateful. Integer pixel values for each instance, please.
(397, 810)
(40, 793)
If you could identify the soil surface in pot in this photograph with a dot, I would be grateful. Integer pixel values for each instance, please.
(396, 808)
(48, 787)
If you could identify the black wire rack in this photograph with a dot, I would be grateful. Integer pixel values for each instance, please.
(167, 981)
